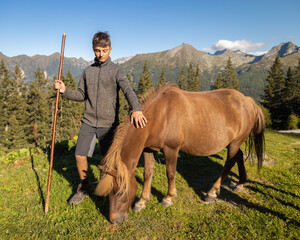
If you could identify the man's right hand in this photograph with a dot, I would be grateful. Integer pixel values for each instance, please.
(60, 85)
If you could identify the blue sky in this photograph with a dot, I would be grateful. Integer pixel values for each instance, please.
(137, 26)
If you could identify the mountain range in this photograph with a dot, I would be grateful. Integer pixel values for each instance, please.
(251, 70)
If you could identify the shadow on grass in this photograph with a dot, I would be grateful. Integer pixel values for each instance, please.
(65, 164)
(283, 202)
(235, 198)
(199, 172)
(202, 172)
(37, 181)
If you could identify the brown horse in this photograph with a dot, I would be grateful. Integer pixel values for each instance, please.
(197, 123)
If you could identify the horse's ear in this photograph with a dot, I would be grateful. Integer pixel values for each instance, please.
(110, 172)
(101, 167)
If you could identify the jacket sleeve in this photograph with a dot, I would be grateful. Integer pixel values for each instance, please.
(79, 94)
(128, 91)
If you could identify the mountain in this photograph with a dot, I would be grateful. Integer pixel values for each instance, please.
(48, 64)
(172, 60)
(122, 60)
(185, 54)
(283, 50)
(251, 70)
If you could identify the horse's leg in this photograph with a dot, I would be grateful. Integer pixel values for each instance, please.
(148, 173)
(171, 162)
(233, 154)
(242, 173)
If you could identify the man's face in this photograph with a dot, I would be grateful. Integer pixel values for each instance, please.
(102, 53)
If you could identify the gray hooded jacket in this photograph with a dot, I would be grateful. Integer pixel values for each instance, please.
(99, 88)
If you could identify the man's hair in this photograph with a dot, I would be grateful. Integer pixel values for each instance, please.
(101, 39)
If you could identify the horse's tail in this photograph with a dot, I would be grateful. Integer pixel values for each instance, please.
(256, 139)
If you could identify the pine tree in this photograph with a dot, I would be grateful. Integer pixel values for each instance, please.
(18, 111)
(13, 109)
(70, 112)
(162, 78)
(190, 77)
(229, 77)
(274, 94)
(218, 82)
(296, 95)
(297, 77)
(197, 81)
(289, 94)
(5, 83)
(124, 106)
(193, 81)
(275, 76)
(182, 79)
(145, 83)
(289, 85)
(39, 132)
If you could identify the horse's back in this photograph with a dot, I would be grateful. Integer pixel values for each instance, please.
(203, 123)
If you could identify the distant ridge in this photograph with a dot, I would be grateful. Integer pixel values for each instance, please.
(251, 69)
(283, 50)
(122, 60)
(48, 64)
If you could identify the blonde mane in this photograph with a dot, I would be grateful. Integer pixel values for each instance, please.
(113, 161)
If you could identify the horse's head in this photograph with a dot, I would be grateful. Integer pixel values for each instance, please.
(120, 201)
(121, 187)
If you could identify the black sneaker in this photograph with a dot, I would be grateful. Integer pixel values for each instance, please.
(82, 192)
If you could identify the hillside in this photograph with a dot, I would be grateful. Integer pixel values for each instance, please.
(48, 64)
(252, 70)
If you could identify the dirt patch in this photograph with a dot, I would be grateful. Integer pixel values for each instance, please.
(290, 131)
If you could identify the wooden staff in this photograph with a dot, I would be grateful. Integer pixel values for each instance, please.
(54, 124)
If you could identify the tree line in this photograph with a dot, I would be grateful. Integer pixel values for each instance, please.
(26, 109)
(282, 96)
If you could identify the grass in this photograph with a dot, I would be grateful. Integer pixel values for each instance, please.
(267, 209)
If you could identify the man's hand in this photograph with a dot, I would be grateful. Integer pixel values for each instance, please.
(138, 119)
(60, 85)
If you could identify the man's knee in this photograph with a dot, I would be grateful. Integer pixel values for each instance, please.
(80, 158)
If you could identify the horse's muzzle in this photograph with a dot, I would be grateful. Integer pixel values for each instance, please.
(117, 220)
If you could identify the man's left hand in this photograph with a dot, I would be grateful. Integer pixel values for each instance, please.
(138, 118)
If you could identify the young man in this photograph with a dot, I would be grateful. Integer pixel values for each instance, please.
(99, 89)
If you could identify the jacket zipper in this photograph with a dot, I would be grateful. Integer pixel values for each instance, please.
(97, 95)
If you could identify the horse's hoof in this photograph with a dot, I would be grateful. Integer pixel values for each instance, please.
(167, 202)
(139, 207)
(239, 188)
(210, 198)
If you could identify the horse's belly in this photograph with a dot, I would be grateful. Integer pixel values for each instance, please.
(204, 150)
(206, 144)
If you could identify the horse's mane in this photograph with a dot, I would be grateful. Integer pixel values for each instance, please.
(151, 94)
(112, 160)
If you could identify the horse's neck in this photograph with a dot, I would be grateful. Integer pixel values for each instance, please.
(132, 146)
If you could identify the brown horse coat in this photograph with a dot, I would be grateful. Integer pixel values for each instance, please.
(197, 123)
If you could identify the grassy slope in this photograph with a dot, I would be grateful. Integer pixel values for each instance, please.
(267, 209)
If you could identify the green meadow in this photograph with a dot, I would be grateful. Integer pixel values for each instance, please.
(268, 208)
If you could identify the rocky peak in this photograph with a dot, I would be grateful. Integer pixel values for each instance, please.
(283, 49)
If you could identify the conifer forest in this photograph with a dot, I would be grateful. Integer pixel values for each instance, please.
(26, 108)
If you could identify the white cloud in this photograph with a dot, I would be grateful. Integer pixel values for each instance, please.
(242, 45)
